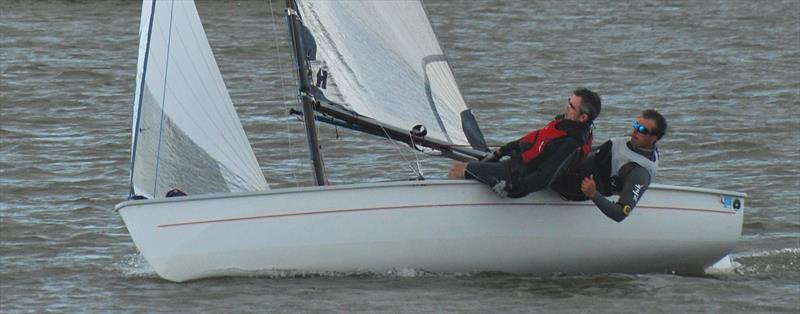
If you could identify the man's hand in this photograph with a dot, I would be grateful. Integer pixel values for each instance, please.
(491, 157)
(500, 188)
(588, 186)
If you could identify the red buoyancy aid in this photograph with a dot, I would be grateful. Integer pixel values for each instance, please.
(538, 139)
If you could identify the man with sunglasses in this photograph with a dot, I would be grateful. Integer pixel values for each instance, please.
(623, 166)
(536, 159)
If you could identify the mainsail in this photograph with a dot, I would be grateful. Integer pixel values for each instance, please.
(381, 59)
(186, 133)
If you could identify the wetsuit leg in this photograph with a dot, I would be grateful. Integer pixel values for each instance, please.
(487, 172)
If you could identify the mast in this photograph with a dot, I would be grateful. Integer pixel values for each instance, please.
(295, 31)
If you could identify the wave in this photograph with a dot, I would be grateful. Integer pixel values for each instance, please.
(135, 266)
(769, 263)
(80, 75)
(793, 250)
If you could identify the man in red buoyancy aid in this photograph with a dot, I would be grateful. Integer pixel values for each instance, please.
(537, 158)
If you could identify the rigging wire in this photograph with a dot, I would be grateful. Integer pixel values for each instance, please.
(416, 156)
(289, 131)
(396, 146)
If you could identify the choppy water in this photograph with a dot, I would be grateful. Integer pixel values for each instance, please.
(725, 73)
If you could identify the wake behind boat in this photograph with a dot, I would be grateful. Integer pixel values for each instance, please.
(375, 67)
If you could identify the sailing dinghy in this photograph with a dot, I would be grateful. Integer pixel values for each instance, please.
(376, 67)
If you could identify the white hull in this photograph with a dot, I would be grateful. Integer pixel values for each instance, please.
(439, 226)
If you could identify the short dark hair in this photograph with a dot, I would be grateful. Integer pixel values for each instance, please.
(590, 103)
(661, 123)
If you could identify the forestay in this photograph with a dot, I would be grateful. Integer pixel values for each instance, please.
(383, 61)
(186, 133)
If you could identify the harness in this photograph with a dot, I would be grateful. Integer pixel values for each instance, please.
(621, 155)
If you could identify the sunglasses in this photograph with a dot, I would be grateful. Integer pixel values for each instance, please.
(642, 129)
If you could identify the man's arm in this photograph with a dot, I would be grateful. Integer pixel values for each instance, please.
(501, 151)
(508, 148)
(636, 179)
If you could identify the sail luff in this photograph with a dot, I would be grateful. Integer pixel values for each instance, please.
(141, 73)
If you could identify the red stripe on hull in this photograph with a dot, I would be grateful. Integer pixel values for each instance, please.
(420, 206)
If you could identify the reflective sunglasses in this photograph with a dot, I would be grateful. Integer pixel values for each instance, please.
(641, 128)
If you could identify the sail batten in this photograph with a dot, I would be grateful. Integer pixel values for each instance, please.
(381, 60)
(186, 134)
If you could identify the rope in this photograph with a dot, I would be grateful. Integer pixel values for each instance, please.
(289, 132)
(397, 147)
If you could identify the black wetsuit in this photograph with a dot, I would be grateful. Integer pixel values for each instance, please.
(524, 178)
(630, 184)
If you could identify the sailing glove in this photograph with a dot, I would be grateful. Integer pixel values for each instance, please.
(501, 188)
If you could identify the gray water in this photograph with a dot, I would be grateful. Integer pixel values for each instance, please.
(726, 74)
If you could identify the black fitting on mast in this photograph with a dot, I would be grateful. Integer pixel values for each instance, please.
(295, 32)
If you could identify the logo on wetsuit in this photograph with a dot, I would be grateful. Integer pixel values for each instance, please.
(636, 189)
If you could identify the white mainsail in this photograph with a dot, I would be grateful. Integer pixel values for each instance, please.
(384, 62)
(186, 132)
